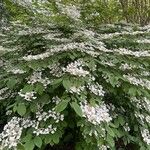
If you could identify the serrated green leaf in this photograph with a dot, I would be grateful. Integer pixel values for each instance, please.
(33, 107)
(110, 140)
(38, 141)
(21, 109)
(110, 131)
(61, 106)
(76, 108)
(29, 145)
(55, 138)
(121, 120)
(66, 84)
(39, 89)
(11, 83)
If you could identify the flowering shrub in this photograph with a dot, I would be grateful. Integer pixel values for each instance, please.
(59, 83)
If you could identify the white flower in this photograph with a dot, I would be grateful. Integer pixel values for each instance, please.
(11, 134)
(37, 77)
(76, 90)
(76, 68)
(96, 89)
(146, 136)
(29, 96)
(96, 115)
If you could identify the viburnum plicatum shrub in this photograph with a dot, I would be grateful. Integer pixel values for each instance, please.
(70, 82)
(96, 83)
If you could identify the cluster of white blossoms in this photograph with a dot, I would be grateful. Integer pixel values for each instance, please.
(96, 88)
(95, 114)
(145, 41)
(142, 103)
(29, 96)
(126, 127)
(3, 90)
(138, 81)
(56, 70)
(41, 115)
(76, 68)
(16, 71)
(11, 134)
(49, 129)
(37, 77)
(126, 66)
(146, 136)
(111, 35)
(124, 51)
(12, 131)
(103, 147)
(69, 10)
(4, 93)
(56, 100)
(76, 90)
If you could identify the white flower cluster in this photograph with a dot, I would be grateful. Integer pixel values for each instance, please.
(143, 103)
(41, 115)
(145, 73)
(142, 82)
(76, 68)
(4, 94)
(96, 115)
(11, 134)
(70, 10)
(96, 88)
(124, 51)
(109, 63)
(49, 129)
(103, 147)
(29, 96)
(126, 66)
(16, 71)
(53, 50)
(111, 35)
(126, 127)
(3, 90)
(145, 41)
(37, 77)
(76, 90)
(146, 136)
(56, 100)
(56, 70)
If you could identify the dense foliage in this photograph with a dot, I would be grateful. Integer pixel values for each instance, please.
(65, 81)
(95, 11)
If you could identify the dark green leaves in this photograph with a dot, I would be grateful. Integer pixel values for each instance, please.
(21, 109)
(38, 141)
(61, 106)
(76, 108)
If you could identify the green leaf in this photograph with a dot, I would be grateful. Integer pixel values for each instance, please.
(27, 138)
(110, 132)
(33, 107)
(110, 140)
(21, 109)
(27, 88)
(29, 145)
(39, 89)
(55, 138)
(121, 120)
(38, 141)
(11, 83)
(20, 147)
(66, 84)
(61, 106)
(76, 108)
